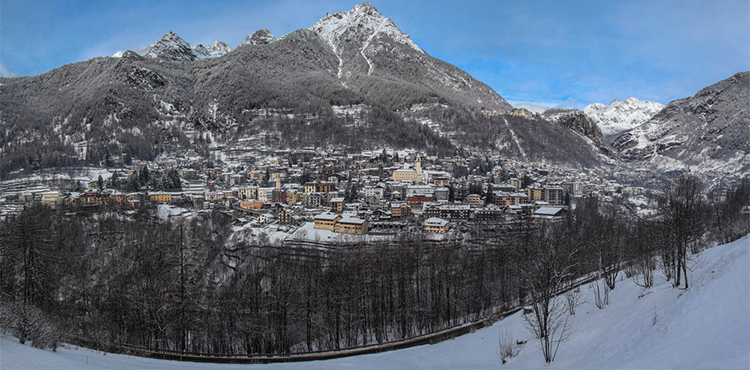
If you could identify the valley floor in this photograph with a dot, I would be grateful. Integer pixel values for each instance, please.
(707, 326)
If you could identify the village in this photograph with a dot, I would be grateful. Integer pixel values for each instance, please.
(325, 196)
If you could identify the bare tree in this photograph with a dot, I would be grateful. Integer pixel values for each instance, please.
(573, 299)
(548, 269)
(682, 216)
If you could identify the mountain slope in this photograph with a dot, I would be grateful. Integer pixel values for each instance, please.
(371, 50)
(271, 92)
(708, 132)
(581, 124)
(621, 115)
(704, 327)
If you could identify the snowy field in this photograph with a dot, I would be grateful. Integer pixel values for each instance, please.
(707, 326)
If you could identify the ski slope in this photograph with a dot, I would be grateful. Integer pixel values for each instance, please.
(707, 326)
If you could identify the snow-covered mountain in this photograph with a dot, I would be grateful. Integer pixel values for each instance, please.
(219, 48)
(173, 47)
(707, 132)
(368, 45)
(408, 98)
(621, 115)
(259, 37)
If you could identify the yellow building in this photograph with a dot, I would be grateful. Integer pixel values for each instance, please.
(474, 200)
(160, 197)
(351, 226)
(52, 199)
(400, 210)
(247, 193)
(319, 187)
(326, 221)
(292, 197)
(436, 225)
(407, 175)
(534, 193)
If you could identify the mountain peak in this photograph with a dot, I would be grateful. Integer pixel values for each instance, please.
(219, 48)
(621, 115)
(259, 37)
(360, 25)
(172, 47)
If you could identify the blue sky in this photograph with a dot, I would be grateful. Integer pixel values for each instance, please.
(545, 52)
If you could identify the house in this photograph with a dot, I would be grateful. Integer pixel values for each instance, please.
(250, 204)
(265, 219)
(441, 181)
(509, 199)
(474, 200)
(436, 225)
(418, 199)
(491, 213)
(319, 187)
(248, 193)
(52, 199)
(337, 204)
(326, 221)
(400, 209)
(286, 218)
(373, 191)
(455, 212)
(551, 214)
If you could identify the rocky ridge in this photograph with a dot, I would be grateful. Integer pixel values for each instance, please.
(708, 132)
(621, 115)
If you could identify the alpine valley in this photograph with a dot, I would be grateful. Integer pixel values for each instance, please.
(338, 191)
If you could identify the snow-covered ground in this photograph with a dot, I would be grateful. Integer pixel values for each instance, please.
(707, 326)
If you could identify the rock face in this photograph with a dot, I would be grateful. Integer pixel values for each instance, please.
(259, 37)
(218, 49)
(621, 115)
(578, 122)
(171, 47)
(708, 132)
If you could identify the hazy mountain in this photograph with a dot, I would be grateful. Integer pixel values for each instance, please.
(708, 132)
(621, 115)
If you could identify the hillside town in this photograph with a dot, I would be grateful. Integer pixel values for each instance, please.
(319, 195)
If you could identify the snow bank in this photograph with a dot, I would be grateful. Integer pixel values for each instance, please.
(707, 326)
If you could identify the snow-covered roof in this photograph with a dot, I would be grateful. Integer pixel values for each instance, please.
(327, 216)
(549, 211)
(351, 220)
(435, 221)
